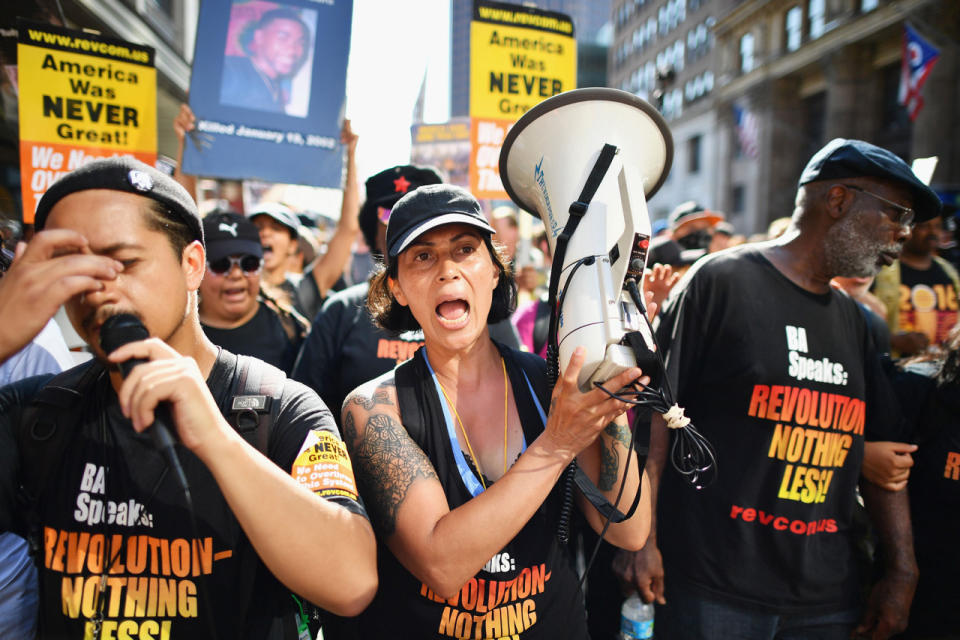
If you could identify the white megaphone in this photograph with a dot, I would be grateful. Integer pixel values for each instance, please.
(546, 160)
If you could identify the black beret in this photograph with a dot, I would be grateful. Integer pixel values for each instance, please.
(124, 174)
(388, 186)
(841, 158)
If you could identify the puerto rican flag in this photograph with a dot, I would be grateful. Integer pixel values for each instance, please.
(919, 56)
(748, 130)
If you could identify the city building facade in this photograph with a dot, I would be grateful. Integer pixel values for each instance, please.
(662, 51)
(812, 70)
(752, 88)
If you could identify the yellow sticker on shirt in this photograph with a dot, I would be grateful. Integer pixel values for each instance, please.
(323, 466)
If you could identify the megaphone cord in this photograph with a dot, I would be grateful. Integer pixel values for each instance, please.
(691, 454)
(553, 372)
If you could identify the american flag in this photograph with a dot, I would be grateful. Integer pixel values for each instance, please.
(919, 56)
(748, 130)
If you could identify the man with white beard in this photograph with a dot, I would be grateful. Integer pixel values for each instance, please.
(778, 372)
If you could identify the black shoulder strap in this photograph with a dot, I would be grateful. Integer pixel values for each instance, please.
(45, 430)
(255, 401)
(577, 210)
(405, 377)
(254, 409)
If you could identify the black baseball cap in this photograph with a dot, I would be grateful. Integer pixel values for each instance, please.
(665, 250)
(124, 173)
(278, 212)
(230, 234)
(842, 158)
(429, 207)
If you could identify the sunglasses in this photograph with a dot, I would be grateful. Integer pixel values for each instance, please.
(250, 265)
(904, 216)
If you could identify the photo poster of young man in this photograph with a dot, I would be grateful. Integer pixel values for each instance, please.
(268, 88)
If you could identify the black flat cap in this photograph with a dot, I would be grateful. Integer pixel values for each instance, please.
(124, 174)
(841, 158)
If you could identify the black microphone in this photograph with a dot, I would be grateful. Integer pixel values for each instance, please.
(125, 328)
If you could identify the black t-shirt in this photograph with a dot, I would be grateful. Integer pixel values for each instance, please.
(344, 348)
(528, 590)
(934, 502)
(261, 337)
(783, 382)
(113, 497)
(928, 301)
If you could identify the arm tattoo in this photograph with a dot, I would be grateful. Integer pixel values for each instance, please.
(609, 457)
(388, 463)
(381, 395)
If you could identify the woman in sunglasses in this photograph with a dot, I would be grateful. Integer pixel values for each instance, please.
(234, 311)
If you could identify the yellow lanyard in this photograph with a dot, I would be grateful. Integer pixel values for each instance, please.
(466, 438)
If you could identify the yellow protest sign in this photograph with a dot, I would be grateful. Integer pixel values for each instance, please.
(82, 97)
(519, 56)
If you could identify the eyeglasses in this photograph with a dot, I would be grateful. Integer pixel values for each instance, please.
(905, 215)
(249, 264)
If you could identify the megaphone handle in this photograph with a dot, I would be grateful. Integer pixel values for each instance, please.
(577, 210)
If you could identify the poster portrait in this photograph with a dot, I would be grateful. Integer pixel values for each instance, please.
(268, 89)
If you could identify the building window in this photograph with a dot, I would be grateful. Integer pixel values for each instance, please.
(738, 198)
(672, 104)
(817, 9)
(678, 51)
(868, 5)
(693, 154)
(794, 28)
(746, 53)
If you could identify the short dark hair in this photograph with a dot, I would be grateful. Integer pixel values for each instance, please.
(246, 36)
(392, 316)
(158, 217)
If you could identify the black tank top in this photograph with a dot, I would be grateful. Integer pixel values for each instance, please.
(526, 591)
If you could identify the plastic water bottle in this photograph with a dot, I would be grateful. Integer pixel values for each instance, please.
(636, 619)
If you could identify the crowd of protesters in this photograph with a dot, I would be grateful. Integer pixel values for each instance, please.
(820, 360)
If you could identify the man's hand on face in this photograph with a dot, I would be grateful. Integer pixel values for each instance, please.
(55, 266)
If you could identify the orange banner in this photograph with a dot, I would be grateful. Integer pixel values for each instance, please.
(486, 138)
(41, 163)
